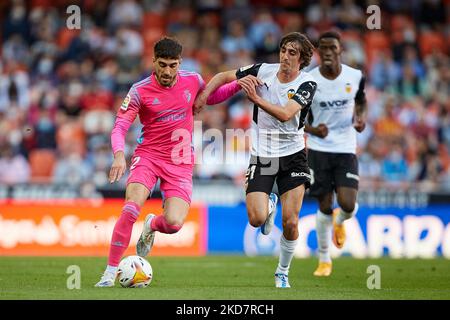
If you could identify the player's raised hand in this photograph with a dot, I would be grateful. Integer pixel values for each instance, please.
(118, 167)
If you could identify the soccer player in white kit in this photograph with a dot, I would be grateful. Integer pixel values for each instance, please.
(337, 112)
(281, 104)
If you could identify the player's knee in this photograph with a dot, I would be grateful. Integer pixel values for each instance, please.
(137, 200)
(325, 209)
(173, 224)
(256, 217)
(290, 224)
(347, 206)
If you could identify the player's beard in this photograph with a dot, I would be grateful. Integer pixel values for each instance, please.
(166, 81)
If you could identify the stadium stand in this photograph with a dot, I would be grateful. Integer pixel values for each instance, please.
(47, 73)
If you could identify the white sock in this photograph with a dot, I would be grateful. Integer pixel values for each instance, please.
(323, 230)
(287, 248)
(342, 216)
(111, 269)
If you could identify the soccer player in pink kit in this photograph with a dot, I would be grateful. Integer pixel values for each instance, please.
(164, 102)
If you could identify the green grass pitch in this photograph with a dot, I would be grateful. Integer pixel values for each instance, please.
(228, 277)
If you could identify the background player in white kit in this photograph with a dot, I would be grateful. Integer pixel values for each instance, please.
(278, 149)
(338, 110)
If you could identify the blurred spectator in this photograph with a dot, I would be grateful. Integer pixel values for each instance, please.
(72, 169)
(14, 168)
(388, 127)
(124, 13)
(349, 15)
(45, 130)
(321, 17)
(409, 84)
(236, 39)
(264, 34)
(384, 72)
(14, 87)
(16, 22)
(394, 168)
(60, 89)
(432, 13)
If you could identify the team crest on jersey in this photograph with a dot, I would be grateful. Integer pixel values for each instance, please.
(291, 93)
(348, 87)
(125, 103)
(187, 95)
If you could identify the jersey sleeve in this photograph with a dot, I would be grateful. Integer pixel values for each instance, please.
(305, 93)
(252, 69)
(201, 82)
(360, 97)
(130, 106)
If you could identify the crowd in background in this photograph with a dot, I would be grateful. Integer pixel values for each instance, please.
(60, 88)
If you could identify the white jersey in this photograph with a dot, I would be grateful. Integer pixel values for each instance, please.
(333, 105)
(271, 137)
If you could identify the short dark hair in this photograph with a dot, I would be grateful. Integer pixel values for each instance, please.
(168, 48)
(330, 34)
(306, 48)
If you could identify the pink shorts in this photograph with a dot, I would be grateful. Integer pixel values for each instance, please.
(176, 179)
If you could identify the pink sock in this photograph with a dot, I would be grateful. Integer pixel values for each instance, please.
(159, 223)
(122, 232)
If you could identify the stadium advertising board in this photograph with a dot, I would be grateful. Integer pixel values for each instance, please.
(83, 228)
(388, 231)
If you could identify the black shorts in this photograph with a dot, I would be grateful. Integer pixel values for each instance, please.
(331, 170)
(290, 172)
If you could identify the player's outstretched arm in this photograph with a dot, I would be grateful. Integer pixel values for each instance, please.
(218, 80)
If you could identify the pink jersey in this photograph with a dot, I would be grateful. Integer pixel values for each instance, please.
(166, 116)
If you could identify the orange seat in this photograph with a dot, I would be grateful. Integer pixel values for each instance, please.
(71, 137)
(374, 42)
(399, 22)
(430, 41)
(65, 36)
(42, 162)
(153, 20)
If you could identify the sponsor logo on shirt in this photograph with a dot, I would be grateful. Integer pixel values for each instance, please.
(334, 103)
(155, 102)
(172, 117)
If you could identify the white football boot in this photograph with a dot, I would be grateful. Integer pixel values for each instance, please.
(281, 280)
(268, 224)
(107, 280)
(145, 242)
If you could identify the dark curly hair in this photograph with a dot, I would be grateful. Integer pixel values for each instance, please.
(306, 47)
(168, 48)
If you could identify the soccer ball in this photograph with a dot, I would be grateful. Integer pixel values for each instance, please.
(134, 272)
